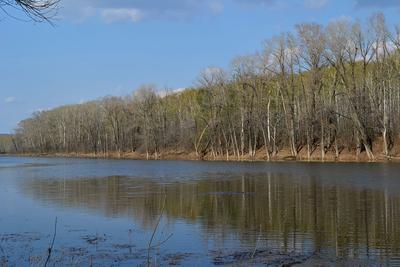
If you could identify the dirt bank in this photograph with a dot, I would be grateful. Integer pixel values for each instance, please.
(283, 155)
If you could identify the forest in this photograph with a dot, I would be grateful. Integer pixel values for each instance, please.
(318, 92)
(6, 144)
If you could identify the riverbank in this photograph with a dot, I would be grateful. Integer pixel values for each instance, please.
(282, 156)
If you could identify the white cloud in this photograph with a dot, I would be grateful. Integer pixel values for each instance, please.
(136, 10)
(164, 93)
(120, 14)
(315, 4)
(179, 90)
(10, 99)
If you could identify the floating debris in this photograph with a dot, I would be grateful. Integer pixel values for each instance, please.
(94, 240)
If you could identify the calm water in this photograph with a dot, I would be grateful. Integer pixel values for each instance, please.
(212, 212)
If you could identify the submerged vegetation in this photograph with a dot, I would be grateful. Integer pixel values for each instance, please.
(315, 93)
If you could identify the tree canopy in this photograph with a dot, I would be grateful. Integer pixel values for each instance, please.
(315, 92)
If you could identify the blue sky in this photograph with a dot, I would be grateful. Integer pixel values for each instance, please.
(111, 47)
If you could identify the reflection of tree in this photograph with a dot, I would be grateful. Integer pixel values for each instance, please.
(347, 220)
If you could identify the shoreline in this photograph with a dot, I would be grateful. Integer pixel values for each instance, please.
(185, 156)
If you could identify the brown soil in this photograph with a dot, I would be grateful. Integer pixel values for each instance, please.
(284, 155)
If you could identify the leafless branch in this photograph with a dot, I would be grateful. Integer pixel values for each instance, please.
(50, 249)
(35, 10)
(154, 233)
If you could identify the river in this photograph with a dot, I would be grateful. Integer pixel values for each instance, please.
(105, 212)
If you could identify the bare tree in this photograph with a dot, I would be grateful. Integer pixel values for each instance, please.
(35, 10)
(332, 88)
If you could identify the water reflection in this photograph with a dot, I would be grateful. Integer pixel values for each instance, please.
(272, 210)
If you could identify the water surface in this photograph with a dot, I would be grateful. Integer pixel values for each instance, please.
(212, 213)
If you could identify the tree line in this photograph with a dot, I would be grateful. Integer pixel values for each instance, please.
(6, 144)
(315, 91)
